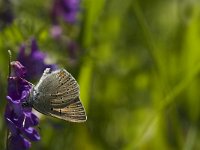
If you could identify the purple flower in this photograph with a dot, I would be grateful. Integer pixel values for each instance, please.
(20, 120)
(66, 9)
(56, 31)
(34, 61)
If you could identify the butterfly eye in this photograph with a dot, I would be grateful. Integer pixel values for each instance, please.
(34, 92)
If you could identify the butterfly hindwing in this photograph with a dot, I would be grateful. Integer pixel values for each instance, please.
(73, 112)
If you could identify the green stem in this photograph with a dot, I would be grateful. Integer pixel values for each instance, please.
(9, 74)
(7, 136)
(9, 66)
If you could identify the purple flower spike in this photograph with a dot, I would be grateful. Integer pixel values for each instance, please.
(66, 9)
(20, 120)
(34, 61)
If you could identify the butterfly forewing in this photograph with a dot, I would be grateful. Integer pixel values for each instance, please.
(58, 96)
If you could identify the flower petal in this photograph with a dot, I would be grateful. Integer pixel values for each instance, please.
(30, 120)
(11, 126)
(31, 134)
(18, 143)
(34, 46)
(19, 69)
(16, 105)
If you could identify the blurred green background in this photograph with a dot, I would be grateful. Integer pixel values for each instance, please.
(137, 64)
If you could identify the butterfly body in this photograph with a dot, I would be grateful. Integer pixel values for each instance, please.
(57, 95)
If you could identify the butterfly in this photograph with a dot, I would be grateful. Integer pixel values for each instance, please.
(57, 95)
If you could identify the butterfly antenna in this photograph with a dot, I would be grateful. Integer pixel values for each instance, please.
(27, 81)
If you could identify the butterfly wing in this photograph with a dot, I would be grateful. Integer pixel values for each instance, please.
(57, 95)
(73, 112)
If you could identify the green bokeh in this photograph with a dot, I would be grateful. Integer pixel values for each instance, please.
(138, 68)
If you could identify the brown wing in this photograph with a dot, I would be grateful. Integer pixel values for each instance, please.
(73, 112)
(59, 97)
